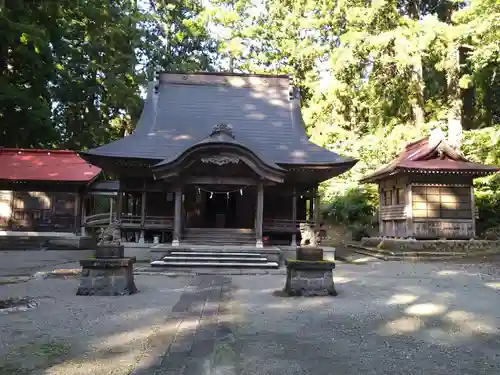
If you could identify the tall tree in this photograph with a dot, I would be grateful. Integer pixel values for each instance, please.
(72, 72)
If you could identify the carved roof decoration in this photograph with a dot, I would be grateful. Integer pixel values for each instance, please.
(222, 128)
(430, 155)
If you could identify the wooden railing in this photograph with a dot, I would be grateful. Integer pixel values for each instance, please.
(283, 225)
(130, 221)
(98, 220)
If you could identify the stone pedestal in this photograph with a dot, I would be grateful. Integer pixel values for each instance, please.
(309, 278)
(107, 277)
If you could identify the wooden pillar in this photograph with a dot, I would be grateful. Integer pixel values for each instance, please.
(381, 229)
(309, 214)
(259, 215)
(408, 211)
(111, 200)
(473, 210)
(143, 216)
(119, 207)
(77, 215)
(317, 212)
(177, 216)
(294, 217)
(119, 210)
(83, 213)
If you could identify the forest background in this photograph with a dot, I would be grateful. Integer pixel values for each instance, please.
(373, 74)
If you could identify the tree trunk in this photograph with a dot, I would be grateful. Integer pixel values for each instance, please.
(454, 99)
(417, 102)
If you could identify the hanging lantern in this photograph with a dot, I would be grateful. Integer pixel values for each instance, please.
(199, 191)
(227, 195)
(241, 191)
(211, 194)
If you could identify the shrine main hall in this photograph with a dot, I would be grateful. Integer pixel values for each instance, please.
(216, 155)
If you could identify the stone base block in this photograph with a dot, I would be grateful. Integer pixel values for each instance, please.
(110, 251)
(444, 246)
(309, 253)
(107, 277)
(309, 278)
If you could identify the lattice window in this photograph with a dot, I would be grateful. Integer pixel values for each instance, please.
(400, 196)
(447, 202)
(387, 197)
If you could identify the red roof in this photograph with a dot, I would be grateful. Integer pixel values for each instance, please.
(428, 155)
(45, 165)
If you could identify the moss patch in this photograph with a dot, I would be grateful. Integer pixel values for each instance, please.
(309, 261)
(35, 356)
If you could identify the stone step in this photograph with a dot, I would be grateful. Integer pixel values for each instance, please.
(162, 263)
(219, 235)
(215, 258)
(215, 253)
(219, 242)
(220, 230)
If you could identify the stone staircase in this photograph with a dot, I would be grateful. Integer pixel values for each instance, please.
(217, 256)
(219, 236)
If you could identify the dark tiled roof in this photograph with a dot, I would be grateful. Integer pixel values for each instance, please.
(263, 116)
(430, 155)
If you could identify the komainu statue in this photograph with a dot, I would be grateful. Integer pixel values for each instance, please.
(307, 235)
(110, 235)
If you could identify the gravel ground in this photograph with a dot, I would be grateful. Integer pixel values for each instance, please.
(389, 318)
(72, 335)
(22, 263)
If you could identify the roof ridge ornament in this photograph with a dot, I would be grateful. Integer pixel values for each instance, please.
(222, 128)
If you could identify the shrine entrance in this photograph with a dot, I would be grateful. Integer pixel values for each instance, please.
(220, 210)
(220, 206)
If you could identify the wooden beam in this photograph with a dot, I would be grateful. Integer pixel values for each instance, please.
(222, 181)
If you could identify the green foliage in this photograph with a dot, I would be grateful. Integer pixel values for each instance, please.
(353, 206)
(71, 73)
(483, 146)
(375, 75)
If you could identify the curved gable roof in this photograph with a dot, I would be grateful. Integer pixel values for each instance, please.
(430, 154)
(263, 114)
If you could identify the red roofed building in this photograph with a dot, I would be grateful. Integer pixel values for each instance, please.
(42, 190)
(426, 192)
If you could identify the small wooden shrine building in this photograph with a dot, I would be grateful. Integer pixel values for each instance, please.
(217, 153)
(427, 192)
(42, 190)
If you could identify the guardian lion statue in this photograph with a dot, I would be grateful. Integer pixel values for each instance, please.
(110, 235)
(307, 235)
